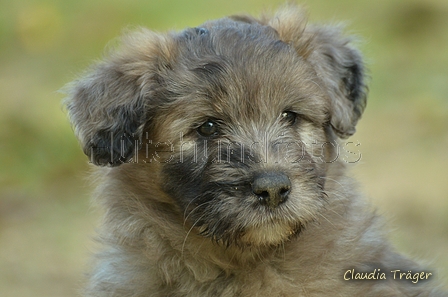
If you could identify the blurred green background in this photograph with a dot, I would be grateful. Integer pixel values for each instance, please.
(46, 222)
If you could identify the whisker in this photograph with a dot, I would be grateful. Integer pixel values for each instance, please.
(188, 233)
(335, 181)
(193, 210)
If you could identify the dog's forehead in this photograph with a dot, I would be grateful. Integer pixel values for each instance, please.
(238, 46)
(231, 69)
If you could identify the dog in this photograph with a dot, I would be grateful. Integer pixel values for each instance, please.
(219, 167)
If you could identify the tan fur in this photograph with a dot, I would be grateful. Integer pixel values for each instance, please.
(181, 213)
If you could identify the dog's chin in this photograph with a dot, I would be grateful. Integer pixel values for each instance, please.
(272, 234)
(257, 236)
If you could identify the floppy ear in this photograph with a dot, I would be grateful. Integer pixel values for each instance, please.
(108, 107)
(338, 64)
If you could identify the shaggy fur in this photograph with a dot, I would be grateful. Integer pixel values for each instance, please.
(219, 167)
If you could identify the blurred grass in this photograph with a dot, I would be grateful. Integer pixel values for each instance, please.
(45, 221)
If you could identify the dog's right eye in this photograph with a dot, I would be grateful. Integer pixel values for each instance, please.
(289, 117)
(208, 129)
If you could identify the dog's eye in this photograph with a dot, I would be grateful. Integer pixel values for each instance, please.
(289, 117)
(208, 129)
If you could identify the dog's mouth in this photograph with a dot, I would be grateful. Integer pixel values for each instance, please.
(268, 235)
(251, 228)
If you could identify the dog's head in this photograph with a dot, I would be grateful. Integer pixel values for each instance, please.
(241, 115)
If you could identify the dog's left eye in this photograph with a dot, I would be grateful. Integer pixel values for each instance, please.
(208, 129)
(289, 117)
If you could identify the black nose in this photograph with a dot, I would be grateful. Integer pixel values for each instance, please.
(271, 188)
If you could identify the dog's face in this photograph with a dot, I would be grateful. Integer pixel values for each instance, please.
(241, 116)
(245, 113)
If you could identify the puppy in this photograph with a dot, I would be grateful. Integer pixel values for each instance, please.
(220, 171)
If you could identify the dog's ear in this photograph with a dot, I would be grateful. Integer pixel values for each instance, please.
(108, 107)
(337, 63)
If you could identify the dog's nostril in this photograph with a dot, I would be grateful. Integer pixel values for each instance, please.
(263, 196)
(284, 191)
(271, 188)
